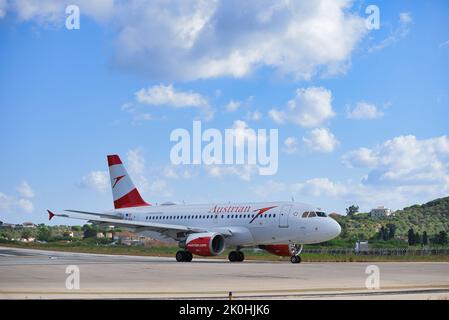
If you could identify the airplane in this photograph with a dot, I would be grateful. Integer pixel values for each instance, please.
(281, 228)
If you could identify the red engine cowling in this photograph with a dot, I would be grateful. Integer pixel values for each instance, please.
(282, 250)
(205, 244)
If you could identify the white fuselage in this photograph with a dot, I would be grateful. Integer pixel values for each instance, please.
(250, 223)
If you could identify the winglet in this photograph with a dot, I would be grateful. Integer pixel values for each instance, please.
(50, 215)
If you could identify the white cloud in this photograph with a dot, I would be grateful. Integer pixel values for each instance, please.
(309, 108)
(364, 110)
(52, 12)
(321, 140)
(401, 31)
(160, 188)
(11, 204)
(319, 187)
(167, 95)
(178, 172)
(362, 157)
(254, 115)
(203, 39)
(244, 134)
(269, 188)
(443, 44)
(25, 190)
(23, 204)
(400, 172)
(405, 17)
(233, 106)
(137, 170)
(404, 160)
(243, 172)
(136, 161)
(290, 145)
(96, 180)
(3, 8)
(277, 116)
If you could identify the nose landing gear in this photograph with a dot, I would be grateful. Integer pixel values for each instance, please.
(296, 250)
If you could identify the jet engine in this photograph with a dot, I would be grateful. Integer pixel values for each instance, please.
(205, 244)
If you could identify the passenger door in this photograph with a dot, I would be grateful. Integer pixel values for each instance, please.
(283, 216)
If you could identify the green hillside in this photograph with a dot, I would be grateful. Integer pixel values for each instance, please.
(431, 217)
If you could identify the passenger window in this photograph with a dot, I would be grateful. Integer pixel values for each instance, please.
(312, 214)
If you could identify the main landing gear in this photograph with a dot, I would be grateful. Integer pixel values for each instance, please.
(296, 258)
(236, 256)
(183, 256)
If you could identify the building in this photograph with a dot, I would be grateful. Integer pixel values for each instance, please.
(28, 224)
(380, 212)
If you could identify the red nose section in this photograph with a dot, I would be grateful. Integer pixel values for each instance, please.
(50, 215)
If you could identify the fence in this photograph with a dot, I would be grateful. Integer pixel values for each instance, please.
(382, 252)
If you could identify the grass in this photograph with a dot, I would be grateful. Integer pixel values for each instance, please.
(169, 251)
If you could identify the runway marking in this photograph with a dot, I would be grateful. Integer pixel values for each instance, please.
(259, 293)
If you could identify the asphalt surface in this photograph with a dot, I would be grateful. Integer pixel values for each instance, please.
(40, 274)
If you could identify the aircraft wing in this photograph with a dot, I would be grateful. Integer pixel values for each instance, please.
(167, 229)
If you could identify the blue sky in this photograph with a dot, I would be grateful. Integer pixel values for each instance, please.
(379, 100)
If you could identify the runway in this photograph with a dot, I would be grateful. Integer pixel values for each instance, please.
(38, 274)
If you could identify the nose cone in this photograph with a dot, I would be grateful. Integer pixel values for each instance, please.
(333, 229)
(336, 228)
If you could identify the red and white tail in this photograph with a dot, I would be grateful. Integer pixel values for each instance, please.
(124, 192)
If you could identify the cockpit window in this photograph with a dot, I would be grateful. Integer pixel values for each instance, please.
(312, 214)
(305, 214)
(321, 214)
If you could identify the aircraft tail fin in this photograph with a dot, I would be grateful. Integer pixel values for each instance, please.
(124, 193)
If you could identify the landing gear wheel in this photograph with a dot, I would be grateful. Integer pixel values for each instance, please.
(236, 256)
(295, 259)
(233, 256)
(183, 256)
(241, 256)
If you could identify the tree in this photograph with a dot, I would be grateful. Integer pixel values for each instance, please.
(383, 234)
(26, 233)
(442, 238)
(425, 239)
(43, 233)
(391, 231)
(411, 237)
(352, 210)
(418, 239)
(90, 231)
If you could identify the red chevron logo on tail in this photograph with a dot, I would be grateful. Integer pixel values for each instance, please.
(117, 180)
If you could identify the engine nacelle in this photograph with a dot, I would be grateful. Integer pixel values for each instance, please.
(205, 244)
(282, 250)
